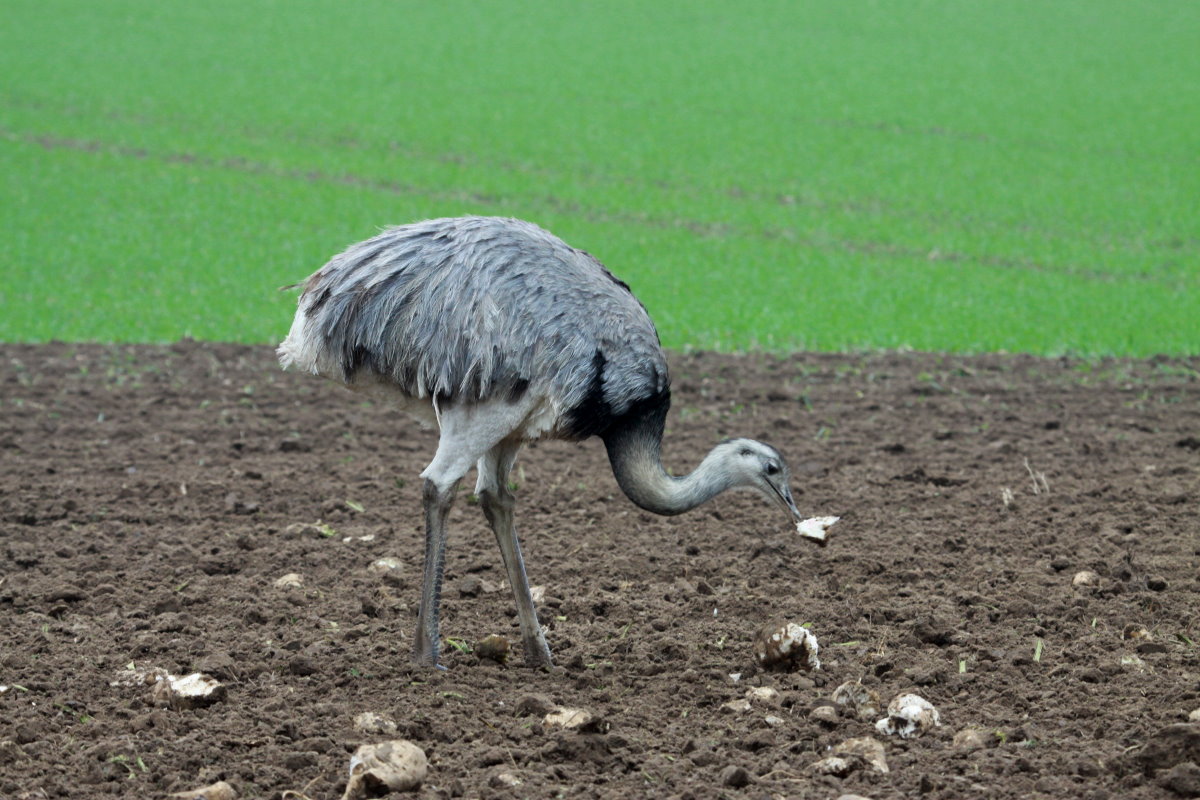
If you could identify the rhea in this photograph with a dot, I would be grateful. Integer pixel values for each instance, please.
(499, 333)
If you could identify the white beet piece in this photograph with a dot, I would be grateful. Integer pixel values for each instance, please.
(815, 527)
(397, 766)
(908, 715)
(786, 647)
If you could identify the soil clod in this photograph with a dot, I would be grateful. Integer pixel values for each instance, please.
(786, 647)
(493, 648)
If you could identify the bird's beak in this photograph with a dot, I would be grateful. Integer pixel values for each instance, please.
(814, 533)
(789, 505)
(785, 501)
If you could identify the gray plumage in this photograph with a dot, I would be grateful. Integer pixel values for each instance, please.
(468, 309)
(500, 332)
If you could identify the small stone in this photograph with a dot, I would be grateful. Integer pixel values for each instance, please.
(837, 766)
(1085, 579)
(908, 715)
(571, 719)
(1133, 662)
(786, 647)
(862, 700)
(763, 694)
(773, 720)
(736, 706)
(306, 529)
(375, 769)
(970, 739)
(1156, 584)
(735, 777)
(292, 580)
(217, 791)
(1194, 715)
(390, 570)
(470, 586)
(868, 749)
(493, 648)
(504, 780)
(371, 723)
(826, 715)
(1135, 632)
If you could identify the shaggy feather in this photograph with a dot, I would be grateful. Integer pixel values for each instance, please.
(476, 308)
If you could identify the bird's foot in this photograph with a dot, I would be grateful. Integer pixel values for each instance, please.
(427, 659)
(537, 656)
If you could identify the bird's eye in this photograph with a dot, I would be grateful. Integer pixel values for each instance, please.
(772, 468)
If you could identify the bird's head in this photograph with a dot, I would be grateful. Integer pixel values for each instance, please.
(759, 466)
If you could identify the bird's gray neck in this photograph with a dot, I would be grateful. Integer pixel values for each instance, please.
(636, 458)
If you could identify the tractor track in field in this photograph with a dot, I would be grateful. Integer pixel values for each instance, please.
(592, 174)
(1175, 278)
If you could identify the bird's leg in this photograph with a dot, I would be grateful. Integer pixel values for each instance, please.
(498, 507)
(437, 506)
(497, 503)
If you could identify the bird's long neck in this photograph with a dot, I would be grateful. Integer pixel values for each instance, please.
(635, 452)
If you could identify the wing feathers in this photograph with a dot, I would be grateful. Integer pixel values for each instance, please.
(473, 308)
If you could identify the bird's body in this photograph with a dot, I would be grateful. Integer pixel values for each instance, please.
(464, 311)
(501, 333)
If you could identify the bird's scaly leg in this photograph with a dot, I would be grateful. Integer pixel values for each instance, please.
(437, 507)
(499, 511)
(497, 503)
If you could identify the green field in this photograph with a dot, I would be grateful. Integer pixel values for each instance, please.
(997, 175)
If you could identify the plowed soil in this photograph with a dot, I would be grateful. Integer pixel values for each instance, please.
(150, 498)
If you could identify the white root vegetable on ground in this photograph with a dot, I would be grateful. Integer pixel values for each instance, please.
(786, 647)
(189, 691)
(908, 715)
(815, 527)
(395, 766)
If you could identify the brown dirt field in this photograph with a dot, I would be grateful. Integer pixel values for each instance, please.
(151, 496)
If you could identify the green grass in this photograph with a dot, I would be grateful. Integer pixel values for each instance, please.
(1008, 175)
